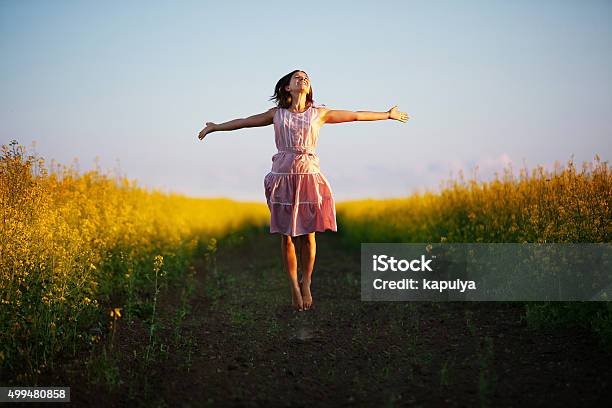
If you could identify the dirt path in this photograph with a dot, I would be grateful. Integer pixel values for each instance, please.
(241, 344)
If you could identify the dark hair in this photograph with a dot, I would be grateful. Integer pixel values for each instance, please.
(282, 98)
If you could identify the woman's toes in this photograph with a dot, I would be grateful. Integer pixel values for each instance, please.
(306, 295)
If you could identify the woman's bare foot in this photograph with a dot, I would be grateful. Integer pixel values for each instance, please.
(296, 298)
(306, 295)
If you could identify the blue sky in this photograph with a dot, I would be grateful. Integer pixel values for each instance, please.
(486, 83)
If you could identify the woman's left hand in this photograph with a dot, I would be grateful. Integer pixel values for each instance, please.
(394, 113)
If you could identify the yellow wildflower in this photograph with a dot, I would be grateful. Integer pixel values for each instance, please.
(115, 312)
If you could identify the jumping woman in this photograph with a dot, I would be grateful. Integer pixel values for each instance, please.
(298, 195)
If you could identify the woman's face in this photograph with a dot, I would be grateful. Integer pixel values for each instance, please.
(299, 83)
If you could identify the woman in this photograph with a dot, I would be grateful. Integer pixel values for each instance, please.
(298, 195)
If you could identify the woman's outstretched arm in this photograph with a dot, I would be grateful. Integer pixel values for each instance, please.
(339, 116)
(261, 119)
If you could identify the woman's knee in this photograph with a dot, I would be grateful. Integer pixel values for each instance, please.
(287, 240)
(308, 239)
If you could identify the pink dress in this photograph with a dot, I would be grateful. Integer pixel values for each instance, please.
(298, 195)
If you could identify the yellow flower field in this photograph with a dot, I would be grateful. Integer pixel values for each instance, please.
(560, 206)
(70, 242)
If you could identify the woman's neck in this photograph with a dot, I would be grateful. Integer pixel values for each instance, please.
(300, 104)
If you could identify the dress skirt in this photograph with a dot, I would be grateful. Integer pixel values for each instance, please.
(300, 203)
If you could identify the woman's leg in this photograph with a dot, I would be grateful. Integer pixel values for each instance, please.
(308, 251)
(290, 265)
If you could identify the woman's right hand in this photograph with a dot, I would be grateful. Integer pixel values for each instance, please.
(210, 127)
